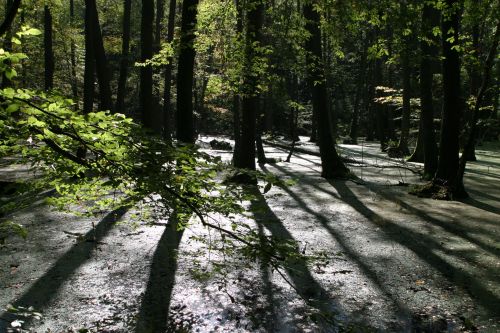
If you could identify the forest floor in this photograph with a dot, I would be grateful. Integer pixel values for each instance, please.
(382, 260)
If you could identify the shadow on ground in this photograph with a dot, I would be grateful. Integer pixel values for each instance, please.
(41, 293)
(155, 305)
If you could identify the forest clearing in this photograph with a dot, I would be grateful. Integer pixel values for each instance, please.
(249, 166)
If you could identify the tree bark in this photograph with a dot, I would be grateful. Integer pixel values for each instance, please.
(452, 106)
(249, 103)
(122, 78)
(146, 72)
(101, 62)
(471, 140)
(430, 17)
(405, 64)
(88, 75)
(185, 73)
(167, 108)
(48, 51)
(158, 18)
(74, 80)
(332, 165)
(12, 7)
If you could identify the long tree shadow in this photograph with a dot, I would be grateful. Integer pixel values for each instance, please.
(425, 247)
(481, 205)
(41, 293)
(297, 271)
(155, 304)
(401, 309)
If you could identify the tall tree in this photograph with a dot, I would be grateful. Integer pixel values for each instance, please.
(452, 105)
(245, 158)
(471, 140)
(185, 73)
(236, 103)
(430, 16)
(167, 109)
(89, 71)
(101, 62)
(74, 79)
(158, 18)
(48, 51)
(11, 9)
(146, 85)
(331, 164)
(406, 70)
(124, 61)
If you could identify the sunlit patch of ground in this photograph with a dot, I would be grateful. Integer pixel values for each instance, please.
(384, 260)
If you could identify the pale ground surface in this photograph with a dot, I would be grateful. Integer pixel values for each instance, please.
(387, 261)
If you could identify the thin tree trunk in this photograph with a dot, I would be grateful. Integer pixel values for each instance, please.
(122, 79)
(430, 16)
(418, 154)
(88, 75)
(167, 109)
(146, 72)
(332, 165)
(471, 140)
(236, 107)
(158, 18)
(48, 52)
(362, 71)
(405, 64)
(11, 9)
(74, 82)
(101, 62)
(185, 117)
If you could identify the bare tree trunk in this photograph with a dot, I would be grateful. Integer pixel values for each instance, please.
(167, 109)
(471, 140)
(250, 99)
(447, 170)
(185, 117)
(332, 165)
(74, 82)
(48, 52)
(122, 78)
(102, 69)
(146, 73)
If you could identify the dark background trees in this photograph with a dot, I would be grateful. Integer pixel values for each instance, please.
(335, 71)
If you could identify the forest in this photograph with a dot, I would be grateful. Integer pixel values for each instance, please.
(249, 166)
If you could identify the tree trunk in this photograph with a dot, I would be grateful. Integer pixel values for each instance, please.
(418, 154)
(74, 80)
(450, 127)
(405, 64)
(88, 75)
(11, 9)
(146, 72)
(101, 62)
(471, 140)
(158, 18)
(122, 78)
(332, 165)
(353, 130)
(250, 99)
(48, 52)
(167, 109)
(236, 107)
(185, 117)
(430, 17)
